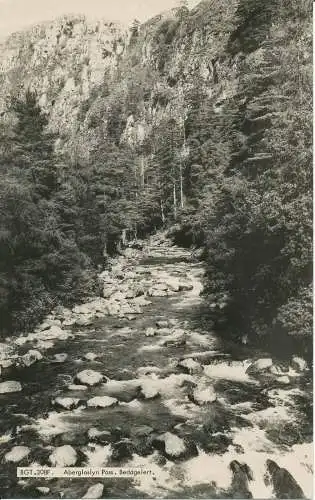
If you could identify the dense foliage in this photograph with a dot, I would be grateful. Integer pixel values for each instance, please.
(230, 163)
(257, 213)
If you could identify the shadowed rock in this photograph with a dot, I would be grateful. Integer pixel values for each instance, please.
(241, 475)
(284, 484)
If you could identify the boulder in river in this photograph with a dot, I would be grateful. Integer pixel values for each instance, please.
(185, 287)
(82, 309)
(141, 431)
(54, 332)
(150, 332)
(203, 395)
(241, 475)
(17, 454)
(284, 484)
(258, 366)
(89, 377)
(284, 380)
(63, 456)
(175, 339)
(174, 447)
(101, 437)
(30, 358)
(149, 390)
(190, 366)
(102, 402)
(43, 489)
(90, 356)
(67, 403)
(95, 491)
(84, 320)
(77, 387)
(299, 364)
(122, 450)
(60, 357)
(10, 386)
(162, 323)
(69, 321)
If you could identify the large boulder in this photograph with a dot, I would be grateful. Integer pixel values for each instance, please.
(66, 403)
(149, 390)
(54, 332)
(95, 491)
(84, 320)
(284, 484)
(89, 377)
(10, 386)
(113, 308)
(82, 309)
(63, 456)
(98, 436)
(190, 366)
(30, 357)
(162, 323)
(174, 447)
(202, 395)
(17, 454)
(90, 356)
(102, 402)
(299, 364)
(259, 366)
(122, 450)
(185, 287)
(284, 380)
(176, 339)
(60, 357)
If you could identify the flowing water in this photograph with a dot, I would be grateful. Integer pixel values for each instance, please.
(226, 442)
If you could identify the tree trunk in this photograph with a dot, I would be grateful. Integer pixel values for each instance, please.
(142, 172)
(162, 211)
(124, 237)
(174, 201)
(181, 185)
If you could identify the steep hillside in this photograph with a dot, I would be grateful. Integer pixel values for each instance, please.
(200, 118)
(85, 73)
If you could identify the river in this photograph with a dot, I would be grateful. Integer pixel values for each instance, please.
(215, 426)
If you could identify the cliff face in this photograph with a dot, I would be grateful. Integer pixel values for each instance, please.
(93, 77)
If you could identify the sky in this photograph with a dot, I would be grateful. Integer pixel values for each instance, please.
(18, 14)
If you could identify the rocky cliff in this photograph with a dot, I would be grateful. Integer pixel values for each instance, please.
(100, 78)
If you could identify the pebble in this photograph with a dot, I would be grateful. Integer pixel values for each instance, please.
(43, 489)
(150, 332)
(90, 356)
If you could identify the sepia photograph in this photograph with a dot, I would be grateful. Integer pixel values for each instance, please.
(156, 239)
